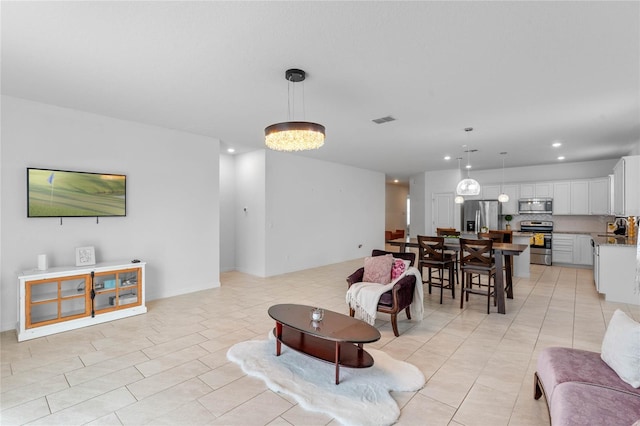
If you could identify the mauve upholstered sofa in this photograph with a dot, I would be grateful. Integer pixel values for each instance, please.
(581, 389)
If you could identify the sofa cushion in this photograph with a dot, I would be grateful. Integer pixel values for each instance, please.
(560, 365)
(377, 269)
(621, 347)
(586, 404)
(400, 266)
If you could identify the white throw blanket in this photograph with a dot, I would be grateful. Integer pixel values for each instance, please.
(363, 297)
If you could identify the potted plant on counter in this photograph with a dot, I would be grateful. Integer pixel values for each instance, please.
(508, 218)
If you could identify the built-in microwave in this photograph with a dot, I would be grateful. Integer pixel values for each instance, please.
(535, 206)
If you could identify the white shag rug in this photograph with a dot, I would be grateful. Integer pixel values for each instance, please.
(361, 398)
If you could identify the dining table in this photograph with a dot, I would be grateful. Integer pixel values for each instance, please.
(502, 253)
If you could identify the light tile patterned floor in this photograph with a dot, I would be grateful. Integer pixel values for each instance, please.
(169, 366)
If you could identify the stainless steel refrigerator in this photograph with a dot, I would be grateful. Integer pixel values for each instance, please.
(480, 213)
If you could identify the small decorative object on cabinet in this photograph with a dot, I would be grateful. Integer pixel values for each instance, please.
(85, 256)
(508, 218)
(60, 299)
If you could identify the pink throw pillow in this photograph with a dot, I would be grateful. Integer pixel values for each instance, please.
(398, 269)
(377, 269)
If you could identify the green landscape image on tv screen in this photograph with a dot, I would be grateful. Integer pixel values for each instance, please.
(57, 193)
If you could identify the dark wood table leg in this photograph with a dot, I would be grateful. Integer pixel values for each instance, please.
(508, 276)
(337, 363)
(278, 337)
(499, 282)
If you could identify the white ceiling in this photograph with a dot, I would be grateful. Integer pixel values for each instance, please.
(522, 74)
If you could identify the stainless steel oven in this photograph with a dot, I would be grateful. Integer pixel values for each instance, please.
(540, 245)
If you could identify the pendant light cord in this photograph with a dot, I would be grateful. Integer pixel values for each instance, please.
(289, 83)
(291, 100)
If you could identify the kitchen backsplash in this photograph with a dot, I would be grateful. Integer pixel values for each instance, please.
(568, 223)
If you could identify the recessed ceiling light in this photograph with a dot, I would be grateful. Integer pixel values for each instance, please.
(561, 157)
(447, 157)
(396, 181)
(231, 150)
(556, 144)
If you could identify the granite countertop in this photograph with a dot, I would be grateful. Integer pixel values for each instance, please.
(598, 238)
(522, 234)
(613, 240)
(574, 232)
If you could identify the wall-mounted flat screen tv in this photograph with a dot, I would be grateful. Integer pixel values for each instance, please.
(60, 193)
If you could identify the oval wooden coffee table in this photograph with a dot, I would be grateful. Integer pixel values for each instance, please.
(337, 338)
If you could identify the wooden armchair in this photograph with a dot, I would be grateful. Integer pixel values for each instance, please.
(399, 297)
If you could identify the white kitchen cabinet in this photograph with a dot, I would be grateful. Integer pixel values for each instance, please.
(572, 249)
(626, 181)
(582, 250)
(544, 190)
(562, 198)
(490, 192)
(599, 197)
(527, 190)
(511, 206)
(536, 190)
(562, 248)
(616, 273)
(571, 197)
(579, 197)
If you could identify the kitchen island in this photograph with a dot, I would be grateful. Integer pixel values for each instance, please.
(614, 268)
(521, 264)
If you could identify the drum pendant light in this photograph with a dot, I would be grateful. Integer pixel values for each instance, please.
(294, 135)
(468, 186)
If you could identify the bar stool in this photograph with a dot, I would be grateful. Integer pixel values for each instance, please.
(499, 236)
(451, 232)
(431, 255)
(476, 258)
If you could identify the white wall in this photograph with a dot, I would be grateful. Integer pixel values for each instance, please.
(227, 213)
(250, 244)
(172, 217)
(319, 213)
(417, 196)
(396, 206)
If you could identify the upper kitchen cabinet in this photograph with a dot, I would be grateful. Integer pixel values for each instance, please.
(490, 192)
(599, 196)
(511, 206)
(562, 199)
(580, 197)
(626, 180)
(536, 190)
(571, 197)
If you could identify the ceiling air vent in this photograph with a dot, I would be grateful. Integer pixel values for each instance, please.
(386, 119)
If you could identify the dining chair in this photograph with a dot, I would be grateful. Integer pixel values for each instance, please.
(501, 236)
(476, 258)
(451, 232)
(431, 255)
